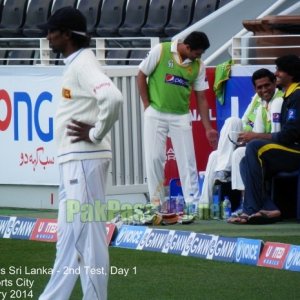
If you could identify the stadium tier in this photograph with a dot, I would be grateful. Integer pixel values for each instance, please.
(107, 17)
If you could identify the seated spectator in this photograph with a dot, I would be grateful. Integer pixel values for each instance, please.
(270, 153)
(261, 115)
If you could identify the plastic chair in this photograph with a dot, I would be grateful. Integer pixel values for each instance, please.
(138, 56)
(112, 17)
(117, 57)
(135, 18)
(91, 9)
(37, 13)
(203, 8)
(221, 3)
(175, 203)
(288, 175)
(13, 16)
(181, 16)
(158, 17)
(62, 3)
(19, 55)
(175, 187)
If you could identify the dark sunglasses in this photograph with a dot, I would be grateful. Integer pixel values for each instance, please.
(238, 144)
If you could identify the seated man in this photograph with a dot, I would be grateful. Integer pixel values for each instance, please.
(261, 115)
(270, 153)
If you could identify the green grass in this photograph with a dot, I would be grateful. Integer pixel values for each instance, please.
(30, 213)
(160, 276)
(166, 276)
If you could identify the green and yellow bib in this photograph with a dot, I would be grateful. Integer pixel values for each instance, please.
(170, 84)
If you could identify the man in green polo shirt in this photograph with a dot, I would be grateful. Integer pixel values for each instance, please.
(173, 69)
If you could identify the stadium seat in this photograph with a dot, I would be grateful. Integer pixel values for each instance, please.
(2, 57)
(158, 17)
(117, 57)
(135, 17)
(20, 57)
(181, 16)
(137, 56)
(37, 13)
(54, 58)
(59, 59)
(275, 186)
(203, 8)
(112, 17)
(13, 16)
(1, 7)
(91, 10)
(62, 3)
(221, 3)
(175, 187)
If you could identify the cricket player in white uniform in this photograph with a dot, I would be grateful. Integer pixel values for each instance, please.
(262, 116)
(89, 106)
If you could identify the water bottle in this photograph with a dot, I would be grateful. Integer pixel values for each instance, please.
(203, 211)
(190, 206)
(226, 208)
(179, 207)
(215, 208)
(206, 212)
(200, 211)
(201, 181)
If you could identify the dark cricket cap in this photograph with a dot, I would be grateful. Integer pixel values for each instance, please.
(67, 18)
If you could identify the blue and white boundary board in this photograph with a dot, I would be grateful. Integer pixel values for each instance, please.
(238, 92)
(209, 246)
(185, 243)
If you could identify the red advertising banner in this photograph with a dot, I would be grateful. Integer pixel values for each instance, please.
(273, 255)
(46, 230)
(110, 229)
(202, 148)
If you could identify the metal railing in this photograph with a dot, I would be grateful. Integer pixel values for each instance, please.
(127, 170)
(263, 49)
(109, 51)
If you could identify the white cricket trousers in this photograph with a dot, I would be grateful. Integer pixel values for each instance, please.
(81, 243)
(157, 126)
(236, 178)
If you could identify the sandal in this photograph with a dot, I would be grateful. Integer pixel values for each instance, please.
(265, 217)
(241, 219)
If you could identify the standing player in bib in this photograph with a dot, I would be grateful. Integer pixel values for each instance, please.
(173, 70)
